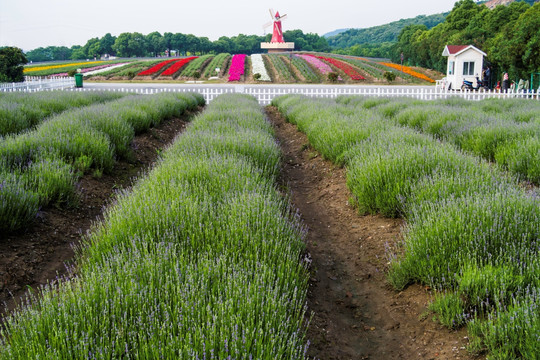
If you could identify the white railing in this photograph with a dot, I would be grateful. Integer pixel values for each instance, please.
(265, 94)
(36, 83)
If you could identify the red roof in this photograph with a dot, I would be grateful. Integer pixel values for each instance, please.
(454, 49)
(458, 49)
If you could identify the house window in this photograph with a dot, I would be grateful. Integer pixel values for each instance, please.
(468, 68)
(451, 67)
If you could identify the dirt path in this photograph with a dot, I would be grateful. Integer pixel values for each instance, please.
(356, 315)
(35, 255)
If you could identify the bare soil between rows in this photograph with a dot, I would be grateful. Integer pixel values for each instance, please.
(355, 312)
(39, 253)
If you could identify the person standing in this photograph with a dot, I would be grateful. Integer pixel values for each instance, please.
(505, 83)
(487, 77)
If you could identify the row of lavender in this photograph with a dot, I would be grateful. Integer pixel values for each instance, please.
(473, 232)
(506, 132)
(20, 112)
(199, 260)
(42, 165)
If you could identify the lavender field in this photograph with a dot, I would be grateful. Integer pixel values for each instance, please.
(473, 226)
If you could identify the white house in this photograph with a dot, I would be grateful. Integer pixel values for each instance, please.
(465, 62)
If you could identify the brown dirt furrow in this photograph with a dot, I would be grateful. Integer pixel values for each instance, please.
(38, 254)
(355, 313)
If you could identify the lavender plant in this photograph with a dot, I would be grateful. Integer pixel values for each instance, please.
(51, 157)
(199, 260)
(19, 112)
(472, 232)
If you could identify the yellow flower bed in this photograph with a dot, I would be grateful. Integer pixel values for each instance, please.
(408, 70)
(39, 68)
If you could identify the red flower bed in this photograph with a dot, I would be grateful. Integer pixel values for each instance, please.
(178, 65)
(154, 69)
(348, 69)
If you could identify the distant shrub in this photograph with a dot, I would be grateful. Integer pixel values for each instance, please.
(389, 76)
(333, 77)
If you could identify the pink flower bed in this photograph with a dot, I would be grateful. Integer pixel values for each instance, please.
(237, 67)
(323, 67)
(348, 69)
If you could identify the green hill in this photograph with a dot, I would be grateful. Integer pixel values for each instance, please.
(382, 33)
(335, 32)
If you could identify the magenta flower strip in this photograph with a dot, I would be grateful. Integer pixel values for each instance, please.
(237, 67)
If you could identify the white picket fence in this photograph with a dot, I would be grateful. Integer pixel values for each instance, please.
(265, 93)
(36, 83)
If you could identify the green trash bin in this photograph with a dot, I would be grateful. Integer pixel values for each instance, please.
(78, 80)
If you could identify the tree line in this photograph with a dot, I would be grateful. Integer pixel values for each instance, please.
(509, 35)
(135, 44)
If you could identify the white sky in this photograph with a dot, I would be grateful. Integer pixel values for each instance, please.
(30, 24)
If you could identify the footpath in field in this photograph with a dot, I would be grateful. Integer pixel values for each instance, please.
(356, 314)
(34, 256)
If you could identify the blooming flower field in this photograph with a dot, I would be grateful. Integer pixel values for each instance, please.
(408, 70)
(305, 70)
(156, 68)
(258, 67)
(29, 70)
(348, 69)
(95, 69)
(171, 70)
(321, 66)
(237, 67)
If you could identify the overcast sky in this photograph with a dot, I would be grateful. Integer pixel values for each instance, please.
(30, 24)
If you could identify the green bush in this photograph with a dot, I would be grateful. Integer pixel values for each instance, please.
(389, 76)
(333, 77)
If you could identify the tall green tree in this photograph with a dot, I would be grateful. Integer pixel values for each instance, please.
(106, 43)
(130, 44)
(77, 53)
(525, 42)
(12, 61)
(155, 43)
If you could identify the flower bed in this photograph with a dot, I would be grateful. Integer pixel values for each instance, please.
(305, 70)
(237, 67)
(94, 70)
(197, 65)
(57, 66)
(408, 70)
(177, 66)
(258, 67)
(281, 67)
(219, 61)
(348, 69)
(322, 67)
(154, 69)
